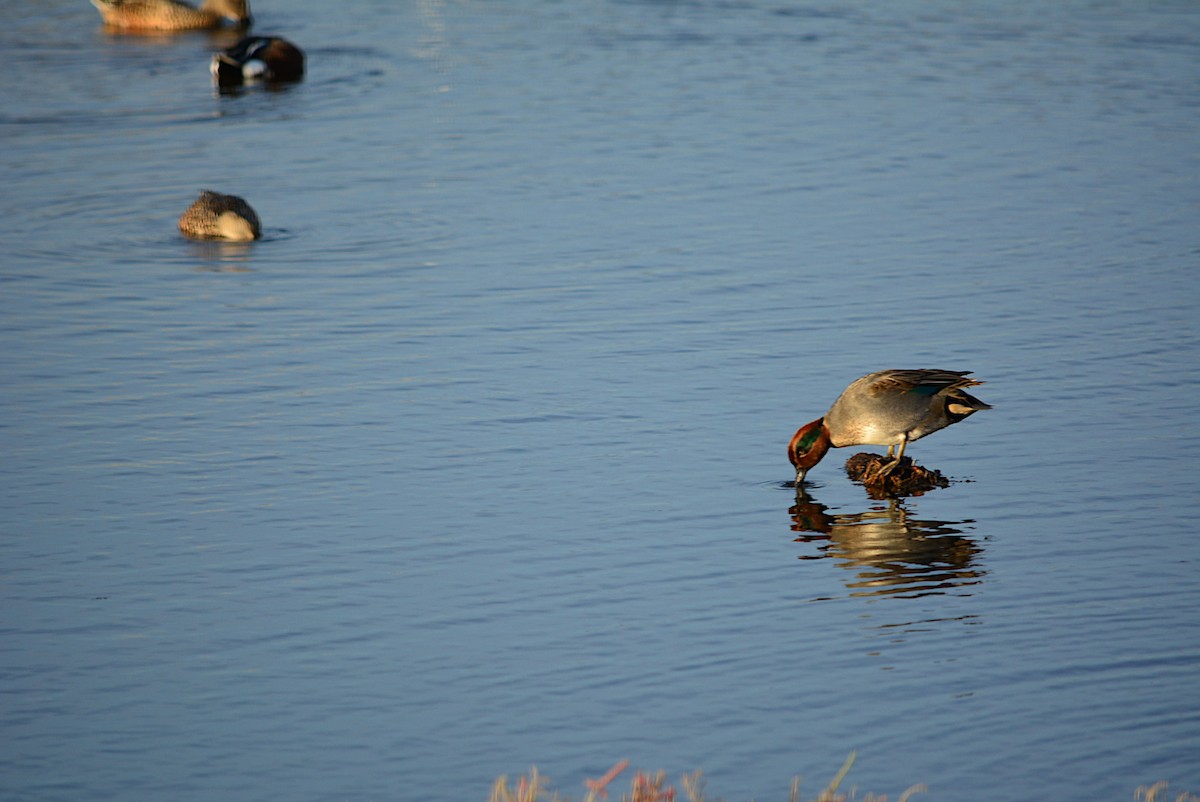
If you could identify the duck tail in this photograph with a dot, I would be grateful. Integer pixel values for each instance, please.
(961, 404)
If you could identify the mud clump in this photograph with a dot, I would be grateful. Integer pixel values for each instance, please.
(908, 478)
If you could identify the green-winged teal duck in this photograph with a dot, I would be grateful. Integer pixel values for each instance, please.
(217, 216)
(889, 408)
(258, 58)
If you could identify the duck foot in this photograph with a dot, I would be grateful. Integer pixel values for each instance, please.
(906, 479)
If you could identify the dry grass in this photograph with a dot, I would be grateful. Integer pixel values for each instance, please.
(655, 788)
(1149, 793)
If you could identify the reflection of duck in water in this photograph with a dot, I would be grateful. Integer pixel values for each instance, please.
(892, 552)
(171, 15)
(889, 408)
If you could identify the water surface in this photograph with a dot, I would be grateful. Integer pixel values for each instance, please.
(477, 459)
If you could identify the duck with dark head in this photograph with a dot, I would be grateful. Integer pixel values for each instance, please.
(266, 59)
(888, 408)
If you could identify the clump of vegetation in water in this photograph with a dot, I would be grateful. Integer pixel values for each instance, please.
(906, 479)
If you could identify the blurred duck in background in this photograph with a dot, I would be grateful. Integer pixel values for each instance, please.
(156, 16)
(268, 59)
(217, 216)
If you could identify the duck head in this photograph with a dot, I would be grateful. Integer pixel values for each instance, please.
(808, 446)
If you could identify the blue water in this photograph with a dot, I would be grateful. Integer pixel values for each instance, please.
(477, 460)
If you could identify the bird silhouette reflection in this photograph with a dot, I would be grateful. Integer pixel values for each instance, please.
(887, 550)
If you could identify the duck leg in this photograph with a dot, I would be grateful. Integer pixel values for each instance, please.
(891, 466)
